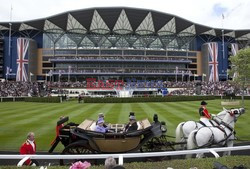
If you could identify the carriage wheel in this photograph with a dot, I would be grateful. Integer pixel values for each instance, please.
(158, 144)
(79, 147)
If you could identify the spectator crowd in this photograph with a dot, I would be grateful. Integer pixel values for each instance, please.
(18, 89)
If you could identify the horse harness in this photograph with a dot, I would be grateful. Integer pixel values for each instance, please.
(210, 121)
(211, 142)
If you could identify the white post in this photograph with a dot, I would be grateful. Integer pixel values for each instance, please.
(120, 160)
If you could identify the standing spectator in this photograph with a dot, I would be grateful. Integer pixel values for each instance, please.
(79, 98)
(29, 147)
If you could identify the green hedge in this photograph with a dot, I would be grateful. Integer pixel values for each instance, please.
(43, 99)
(146, 99)
(11, 99)
(237, 97)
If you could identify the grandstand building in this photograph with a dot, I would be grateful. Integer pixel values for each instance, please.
(116, 43)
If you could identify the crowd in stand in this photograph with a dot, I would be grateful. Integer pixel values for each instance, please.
(206, 88)
(18, 89)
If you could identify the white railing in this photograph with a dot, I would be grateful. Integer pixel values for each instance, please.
(214, 151)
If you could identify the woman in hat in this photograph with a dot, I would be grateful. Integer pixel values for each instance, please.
(101, 116)
(204, 115)
(100, 127)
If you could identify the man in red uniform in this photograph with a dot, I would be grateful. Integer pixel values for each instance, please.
(204, 115)
(29, 147)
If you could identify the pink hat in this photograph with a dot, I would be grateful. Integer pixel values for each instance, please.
(80, 165)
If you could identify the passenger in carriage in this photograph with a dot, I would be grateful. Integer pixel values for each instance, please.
(205, 116)
(100, 126)
(132, 125)
(101, 116)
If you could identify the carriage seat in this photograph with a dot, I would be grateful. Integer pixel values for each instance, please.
(92, 127)
(87, 124)
(143, 124)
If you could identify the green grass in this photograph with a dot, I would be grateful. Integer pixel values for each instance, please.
(18, 118)
(205, 163)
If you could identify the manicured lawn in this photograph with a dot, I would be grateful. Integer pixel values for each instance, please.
(18, 118)
(204, 163)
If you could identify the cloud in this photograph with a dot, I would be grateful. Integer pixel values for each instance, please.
(203, 12)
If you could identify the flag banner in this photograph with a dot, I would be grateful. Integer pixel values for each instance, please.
(213, 62)
(234, 48)
(22, 59)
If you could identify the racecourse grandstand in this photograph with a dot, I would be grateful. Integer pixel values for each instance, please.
(116, 43)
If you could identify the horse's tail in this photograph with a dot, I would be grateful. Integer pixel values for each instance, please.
(179, 134)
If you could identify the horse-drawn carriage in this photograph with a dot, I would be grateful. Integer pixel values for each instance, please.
(83, 139)
(149, 137)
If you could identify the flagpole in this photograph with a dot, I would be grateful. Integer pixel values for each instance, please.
(10, 24)
(182, 75)
(7, 73)
(189, 74)
(69, 69)
(176, 71)
(223, 45)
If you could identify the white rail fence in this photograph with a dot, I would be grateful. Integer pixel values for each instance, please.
(120, 157)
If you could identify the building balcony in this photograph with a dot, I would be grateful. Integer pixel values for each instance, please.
(120, 60)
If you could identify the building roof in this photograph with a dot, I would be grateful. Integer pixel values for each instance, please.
(120, 20)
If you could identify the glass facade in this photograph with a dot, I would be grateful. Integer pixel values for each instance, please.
(122, 50)
(96, 41)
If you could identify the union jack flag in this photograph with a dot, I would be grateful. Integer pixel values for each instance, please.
(213, 62)
(22, 59)
(234, 50)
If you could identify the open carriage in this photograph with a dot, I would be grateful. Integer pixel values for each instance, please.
(83, 139)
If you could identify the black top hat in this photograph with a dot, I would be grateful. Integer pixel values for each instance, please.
(131, 114)
(203, 103)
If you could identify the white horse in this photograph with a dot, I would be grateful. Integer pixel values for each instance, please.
(222, 135)
(185, 128)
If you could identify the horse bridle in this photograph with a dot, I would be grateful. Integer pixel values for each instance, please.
(234, 119)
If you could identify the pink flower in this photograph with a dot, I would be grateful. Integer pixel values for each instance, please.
(80, 165)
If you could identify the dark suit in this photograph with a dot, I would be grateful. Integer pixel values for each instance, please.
(131, 127)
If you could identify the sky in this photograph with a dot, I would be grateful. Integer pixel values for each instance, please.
(206, 12)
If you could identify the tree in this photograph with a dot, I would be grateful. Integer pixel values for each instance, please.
(240, 70)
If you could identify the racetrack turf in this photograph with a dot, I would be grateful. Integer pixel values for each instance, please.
(18, 118)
